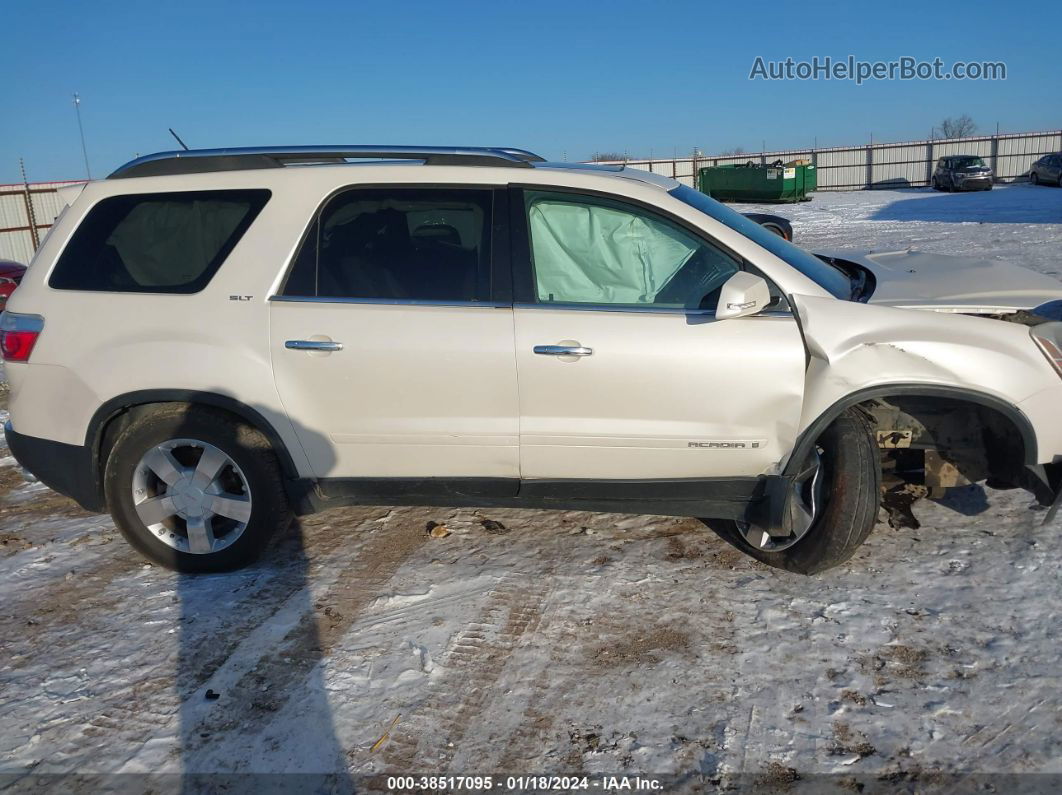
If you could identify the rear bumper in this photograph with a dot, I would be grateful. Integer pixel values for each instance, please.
(65, 468)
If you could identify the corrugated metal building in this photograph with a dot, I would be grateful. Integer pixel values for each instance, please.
(26, 215)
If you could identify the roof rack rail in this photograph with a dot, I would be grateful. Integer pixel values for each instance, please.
(199, 161)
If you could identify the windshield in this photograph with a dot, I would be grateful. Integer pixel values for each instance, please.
(969, 162)
(831, 279)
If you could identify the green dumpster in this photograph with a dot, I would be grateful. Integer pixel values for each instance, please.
(791, 182)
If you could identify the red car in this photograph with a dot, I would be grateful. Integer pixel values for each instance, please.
(10, 276)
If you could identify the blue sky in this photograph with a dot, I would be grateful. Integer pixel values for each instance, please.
(564, 79)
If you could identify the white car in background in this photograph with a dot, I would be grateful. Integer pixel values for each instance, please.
(210, 341)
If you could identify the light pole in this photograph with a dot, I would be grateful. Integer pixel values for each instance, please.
(81, 131)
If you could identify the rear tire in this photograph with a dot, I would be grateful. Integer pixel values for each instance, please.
(852, 468)
(251, 473)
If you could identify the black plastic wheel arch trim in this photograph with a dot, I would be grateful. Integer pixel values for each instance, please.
(117, 405)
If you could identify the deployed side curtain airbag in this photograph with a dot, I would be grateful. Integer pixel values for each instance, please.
(589, 253)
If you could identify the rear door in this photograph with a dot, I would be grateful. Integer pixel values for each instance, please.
(388, 352)
(624, 372)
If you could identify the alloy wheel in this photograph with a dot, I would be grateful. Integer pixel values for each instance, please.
(806, 499)
(191, 495)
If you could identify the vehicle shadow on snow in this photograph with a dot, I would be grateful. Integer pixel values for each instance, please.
(969, 500)
(1006, 204)
(254, 708)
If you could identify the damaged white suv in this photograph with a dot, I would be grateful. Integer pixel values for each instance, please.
(210, 341)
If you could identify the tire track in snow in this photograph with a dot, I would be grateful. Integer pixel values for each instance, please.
(77, 592)
(323, 536)
(146, 706)
(82, 597)
(474, 663)
(281, 663)
(523, 747)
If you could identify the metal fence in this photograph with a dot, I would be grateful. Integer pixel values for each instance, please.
(884, 165)
(26, 213)
(28, 210)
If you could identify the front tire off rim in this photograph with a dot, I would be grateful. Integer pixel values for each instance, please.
(191, 496)
(805, 503)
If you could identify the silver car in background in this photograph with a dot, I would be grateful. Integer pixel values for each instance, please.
(962, 172)
(1047, 170)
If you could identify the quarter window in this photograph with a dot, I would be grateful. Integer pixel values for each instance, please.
(424, 244)
(589, 250)
(156, 242)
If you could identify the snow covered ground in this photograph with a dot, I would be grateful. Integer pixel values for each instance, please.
(568, 643)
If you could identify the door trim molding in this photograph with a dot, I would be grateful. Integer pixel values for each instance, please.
(324, 299)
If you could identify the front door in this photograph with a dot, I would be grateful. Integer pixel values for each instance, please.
(388, 354)
(624, 372)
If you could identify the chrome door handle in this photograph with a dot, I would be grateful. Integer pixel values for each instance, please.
(313, 345)
(562, 350)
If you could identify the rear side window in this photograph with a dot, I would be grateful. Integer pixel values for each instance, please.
(156, 242)
(398, 244)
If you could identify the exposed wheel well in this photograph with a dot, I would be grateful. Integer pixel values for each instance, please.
(930, 444)
(954, 441)
(929, 398)
(955, 436)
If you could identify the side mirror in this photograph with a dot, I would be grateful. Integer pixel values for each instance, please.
(742, 295)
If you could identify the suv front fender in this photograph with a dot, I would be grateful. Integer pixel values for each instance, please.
(857, 352)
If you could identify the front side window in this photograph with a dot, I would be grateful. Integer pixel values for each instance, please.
(398, 244)
(589, 250)
(829, 277)
(156, 242)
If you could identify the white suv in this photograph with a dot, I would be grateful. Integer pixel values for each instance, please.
(210, 341)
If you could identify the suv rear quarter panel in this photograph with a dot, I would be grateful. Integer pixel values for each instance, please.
(97, 346)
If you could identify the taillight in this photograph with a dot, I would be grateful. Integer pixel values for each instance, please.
(18, 335)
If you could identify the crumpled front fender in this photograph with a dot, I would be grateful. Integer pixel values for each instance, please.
(858, 349)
